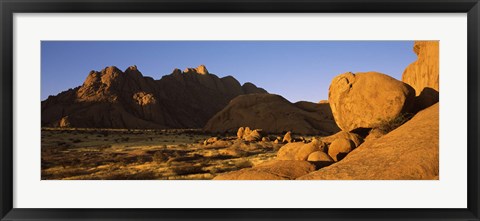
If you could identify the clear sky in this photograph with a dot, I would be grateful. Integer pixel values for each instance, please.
(297, 70)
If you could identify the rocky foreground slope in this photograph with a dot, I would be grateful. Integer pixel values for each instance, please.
(112, 98)
(379, 139)
(408, 152)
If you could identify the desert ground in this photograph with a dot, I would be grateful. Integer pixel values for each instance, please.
(121, 154)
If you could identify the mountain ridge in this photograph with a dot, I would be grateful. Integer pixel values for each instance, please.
(112, 98)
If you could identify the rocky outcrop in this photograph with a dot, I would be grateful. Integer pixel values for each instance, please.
(287, 138)
(423, 74)
(273, 114)
(299, 150)
(254, 135)
(112, 98)
(365, 100)
(355, 138)
(272, 170)
(409, 152)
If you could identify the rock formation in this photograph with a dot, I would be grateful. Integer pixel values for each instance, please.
(355, 138)
(364, 100)
(409, 152)
(339, 148)
(299, 150)
(273, 114)
(319, 156)
(423, 74)
(287, 138)
(113, 98)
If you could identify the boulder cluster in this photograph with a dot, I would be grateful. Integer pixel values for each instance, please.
(379, 139)
(303, 155)
(249, 135)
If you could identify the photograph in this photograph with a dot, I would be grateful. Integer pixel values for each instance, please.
(240, 110)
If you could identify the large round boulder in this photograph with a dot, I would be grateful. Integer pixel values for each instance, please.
(365, 100)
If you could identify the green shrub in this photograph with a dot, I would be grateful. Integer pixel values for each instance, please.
(388, 125)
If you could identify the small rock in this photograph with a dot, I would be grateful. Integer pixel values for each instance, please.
(210, 140)
(319, 156)
(254, 135)
(246, 132)
(357, 140)
(339, 148)
(306, 150)
(240, 132)
(64, 122)
(287, 138)
(298, 150)
(322, 146)
(288, 151)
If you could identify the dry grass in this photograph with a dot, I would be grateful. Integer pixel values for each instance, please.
(96, 154)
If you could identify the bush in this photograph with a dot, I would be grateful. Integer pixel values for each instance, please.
(160, 157)
(387, 126)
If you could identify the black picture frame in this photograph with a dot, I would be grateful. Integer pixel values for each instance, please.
(9, 7)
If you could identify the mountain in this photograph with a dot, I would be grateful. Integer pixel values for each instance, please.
(273, 114)
(112, 98)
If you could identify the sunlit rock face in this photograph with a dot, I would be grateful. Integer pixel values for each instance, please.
(423, 74)
(364, 100)
(410, 152)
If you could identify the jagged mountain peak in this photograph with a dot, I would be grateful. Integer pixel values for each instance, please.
(112, 98)
(202, 70)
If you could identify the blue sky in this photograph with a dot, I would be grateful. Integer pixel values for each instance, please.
(297, 70)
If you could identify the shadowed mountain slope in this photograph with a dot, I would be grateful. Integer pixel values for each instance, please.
(112, 98)
(273, 114)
